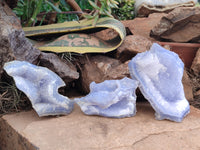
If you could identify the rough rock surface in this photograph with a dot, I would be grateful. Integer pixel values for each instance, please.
(13, 43)
(66, 70)
(197, 93)
(99, 68)
(77, 131)
(149, 7)
(196, 63)
(132, 45)
(119, 72)
(143, 26)
(187, 84)
(106, 34)
(180, 25)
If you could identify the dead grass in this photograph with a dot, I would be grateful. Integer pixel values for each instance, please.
(11, 99)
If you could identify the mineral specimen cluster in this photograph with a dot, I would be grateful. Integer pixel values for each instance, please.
(157, 72)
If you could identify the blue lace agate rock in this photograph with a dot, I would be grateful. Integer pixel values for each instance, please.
(41, 87)
(159, 72)
(111, 98)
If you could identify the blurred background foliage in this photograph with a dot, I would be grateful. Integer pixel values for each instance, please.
(40, 12)
(125, 10)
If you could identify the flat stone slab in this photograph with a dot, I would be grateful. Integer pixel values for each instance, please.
(76, 131)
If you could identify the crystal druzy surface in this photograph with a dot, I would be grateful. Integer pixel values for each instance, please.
(111, 98)
(159, 72)
(41, 87)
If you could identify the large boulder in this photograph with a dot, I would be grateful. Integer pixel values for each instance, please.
(13, 44)
(26, 131)
(180, 25)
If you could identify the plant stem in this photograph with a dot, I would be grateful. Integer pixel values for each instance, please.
(64, 12)
(74, 5)
(37, 10)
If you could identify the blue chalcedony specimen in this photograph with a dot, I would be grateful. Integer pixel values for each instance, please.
(111, 98)
(41, 87)
(159, 72)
